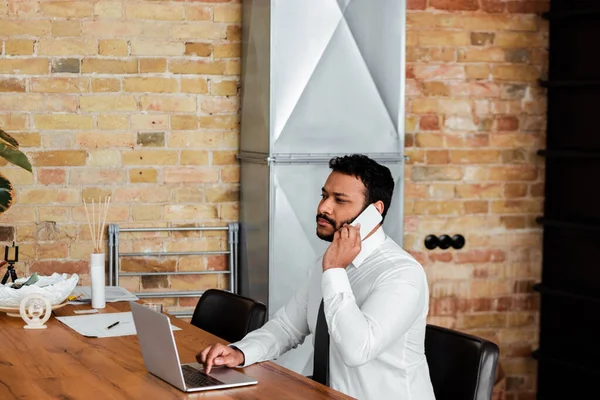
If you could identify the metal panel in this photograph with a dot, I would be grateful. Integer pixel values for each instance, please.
(380, 34)
(256, 69)
(319, 78)
(295, 245)
(254, 230)
(300, 33)
(394, 220)
(336, 75)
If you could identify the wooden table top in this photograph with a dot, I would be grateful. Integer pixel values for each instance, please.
(57, 362)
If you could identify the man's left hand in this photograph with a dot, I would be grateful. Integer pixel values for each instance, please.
(344, 248)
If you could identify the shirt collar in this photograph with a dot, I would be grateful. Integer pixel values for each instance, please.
(369, 245)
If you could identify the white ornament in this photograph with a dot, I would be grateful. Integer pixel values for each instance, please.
(35, 310)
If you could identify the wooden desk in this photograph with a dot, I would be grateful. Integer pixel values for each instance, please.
(57, 362)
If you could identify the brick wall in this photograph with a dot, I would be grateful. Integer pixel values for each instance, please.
(475, 118)
(132, 99)
(138, 100)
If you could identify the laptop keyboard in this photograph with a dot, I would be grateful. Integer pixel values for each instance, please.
(195, 378)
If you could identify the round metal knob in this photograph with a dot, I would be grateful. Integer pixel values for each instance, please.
(445, 242)
(458, 241)
(431, 242)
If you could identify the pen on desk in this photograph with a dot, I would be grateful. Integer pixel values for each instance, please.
(111, 325)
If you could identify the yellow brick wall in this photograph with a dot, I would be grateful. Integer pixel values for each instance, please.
(138, 100)
(475, 119)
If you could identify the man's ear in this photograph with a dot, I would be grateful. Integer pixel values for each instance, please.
(379, 206)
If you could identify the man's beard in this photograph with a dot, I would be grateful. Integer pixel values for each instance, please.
(329, 238)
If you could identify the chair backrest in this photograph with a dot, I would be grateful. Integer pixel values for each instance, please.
(461, 366)
(228, 315)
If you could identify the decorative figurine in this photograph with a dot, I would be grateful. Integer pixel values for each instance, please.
(11, 256)
(35, 310)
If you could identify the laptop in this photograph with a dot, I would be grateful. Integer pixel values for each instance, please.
(162, 360)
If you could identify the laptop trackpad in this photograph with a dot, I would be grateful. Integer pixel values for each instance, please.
(225, 375)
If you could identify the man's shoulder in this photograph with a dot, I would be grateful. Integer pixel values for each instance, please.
(393, 260)
(394, 252)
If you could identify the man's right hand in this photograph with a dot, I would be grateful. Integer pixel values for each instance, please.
(219, 354)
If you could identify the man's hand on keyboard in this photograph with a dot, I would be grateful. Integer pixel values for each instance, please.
(219, 354)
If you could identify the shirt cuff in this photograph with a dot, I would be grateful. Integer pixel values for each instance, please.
(334, 281)
(251, 352)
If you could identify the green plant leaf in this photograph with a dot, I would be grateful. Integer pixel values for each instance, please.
(6, 194)
(9, 139)
(14, 156)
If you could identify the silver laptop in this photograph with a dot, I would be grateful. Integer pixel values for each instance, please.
(161, 358)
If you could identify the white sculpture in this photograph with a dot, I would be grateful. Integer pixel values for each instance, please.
(35, 310)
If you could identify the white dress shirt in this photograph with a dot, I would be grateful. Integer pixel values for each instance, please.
(376, 312)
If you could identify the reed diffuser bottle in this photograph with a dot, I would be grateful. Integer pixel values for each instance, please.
(97, 263)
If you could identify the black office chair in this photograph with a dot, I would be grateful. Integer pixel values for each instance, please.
(228, 315)
(461, 366)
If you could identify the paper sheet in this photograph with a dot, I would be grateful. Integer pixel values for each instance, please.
(112, 294)
(95, 325)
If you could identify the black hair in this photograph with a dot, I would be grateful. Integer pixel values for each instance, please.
(377, 178)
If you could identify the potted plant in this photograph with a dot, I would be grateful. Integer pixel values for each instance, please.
(9, 150)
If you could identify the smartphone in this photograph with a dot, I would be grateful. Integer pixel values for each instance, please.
(368, 220)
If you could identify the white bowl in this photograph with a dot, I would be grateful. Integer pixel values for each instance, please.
(56, 287)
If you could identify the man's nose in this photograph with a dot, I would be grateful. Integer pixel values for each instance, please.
(325, 207)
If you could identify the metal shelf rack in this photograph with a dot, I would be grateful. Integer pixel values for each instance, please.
(114, 255)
